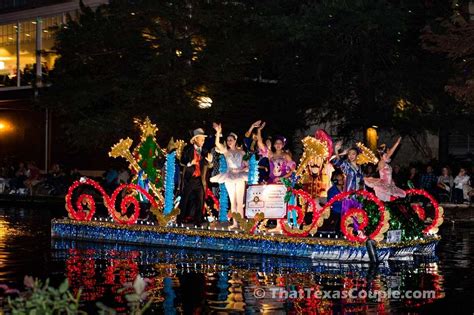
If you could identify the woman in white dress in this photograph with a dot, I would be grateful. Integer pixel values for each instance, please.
(237, 173)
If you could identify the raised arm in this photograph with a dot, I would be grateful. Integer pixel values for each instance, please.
(220, 148)
(260, 143)
(252, 127)
(337, 147)
(394, 147)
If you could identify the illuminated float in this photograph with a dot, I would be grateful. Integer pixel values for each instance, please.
(371, 229)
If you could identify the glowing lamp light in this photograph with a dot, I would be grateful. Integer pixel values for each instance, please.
(204, 102)
(5, 126)
(2, 65)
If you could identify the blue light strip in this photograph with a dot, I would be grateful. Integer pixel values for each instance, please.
(98, 232)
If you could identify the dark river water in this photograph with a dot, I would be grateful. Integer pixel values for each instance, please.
(197, 282)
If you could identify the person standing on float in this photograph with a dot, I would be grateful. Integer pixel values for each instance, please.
(384, 186)
(354, 178)
(196, 161)
(281, 162)
(236, 175)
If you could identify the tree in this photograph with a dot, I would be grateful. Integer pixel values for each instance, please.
(453, 37)
(289, 62)
(118, 62)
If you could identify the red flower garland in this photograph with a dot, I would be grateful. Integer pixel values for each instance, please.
(316, 214)
(80, 214)
(126, 202)
(120, 217)
(420, 211)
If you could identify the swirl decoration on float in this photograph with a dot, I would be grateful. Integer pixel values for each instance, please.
(347, 220)
(421, 212)
(362, 219)
(128, 200)
(304, 199)
(78, 213)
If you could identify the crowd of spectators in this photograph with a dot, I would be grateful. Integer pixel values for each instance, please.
(25, 178)
(448, 184)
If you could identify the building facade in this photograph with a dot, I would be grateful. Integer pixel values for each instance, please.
(27, 55)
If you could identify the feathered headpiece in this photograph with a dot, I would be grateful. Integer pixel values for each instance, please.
(323, 136)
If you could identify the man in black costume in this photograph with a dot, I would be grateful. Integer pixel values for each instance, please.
(196, 161)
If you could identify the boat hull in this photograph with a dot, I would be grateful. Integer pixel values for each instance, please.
(231, 241)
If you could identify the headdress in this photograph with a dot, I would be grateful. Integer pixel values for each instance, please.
(313, 149)
(323, 136)
(366, 155)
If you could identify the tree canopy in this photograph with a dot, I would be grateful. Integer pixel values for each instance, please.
(292, 63)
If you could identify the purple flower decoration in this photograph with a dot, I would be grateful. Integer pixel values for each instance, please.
(348, 204)
(355, 224)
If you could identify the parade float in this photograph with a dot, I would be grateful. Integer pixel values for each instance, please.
(371, 230)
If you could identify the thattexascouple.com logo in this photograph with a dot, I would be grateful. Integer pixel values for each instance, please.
(306, 293)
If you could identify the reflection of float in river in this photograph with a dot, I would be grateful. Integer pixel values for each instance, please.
(228, 283)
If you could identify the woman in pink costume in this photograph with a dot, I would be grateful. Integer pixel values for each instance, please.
(236, 175)
(281, 162)
(384, 186)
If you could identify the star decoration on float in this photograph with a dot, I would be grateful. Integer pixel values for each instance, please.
(147, 128)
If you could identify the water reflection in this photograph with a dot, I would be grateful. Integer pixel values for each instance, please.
(196, 282)
(21, 244)
(212, 281)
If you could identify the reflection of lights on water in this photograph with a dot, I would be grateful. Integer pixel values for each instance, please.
(4, 231)
(204, 102)
(5, 126)
(225, 284)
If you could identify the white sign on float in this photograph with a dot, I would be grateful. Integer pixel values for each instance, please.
(394, 236)
(269, 199)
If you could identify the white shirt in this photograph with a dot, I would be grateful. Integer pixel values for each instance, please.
(460, 181)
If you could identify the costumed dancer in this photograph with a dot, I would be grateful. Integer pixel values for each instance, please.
(196, 161)
(236, 175)
(354, 179)
(281, 162)
(384, 186)
(251, 145)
